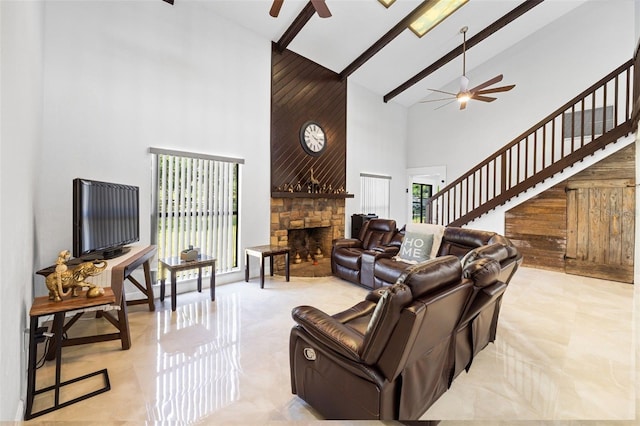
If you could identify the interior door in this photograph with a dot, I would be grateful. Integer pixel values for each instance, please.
(600, 229)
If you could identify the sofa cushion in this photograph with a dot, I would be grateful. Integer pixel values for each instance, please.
(433, 275)
(377, 232)
(389, 270)
(459, 241)
(348, 257)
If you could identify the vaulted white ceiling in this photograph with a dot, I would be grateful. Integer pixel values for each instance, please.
(337, 41)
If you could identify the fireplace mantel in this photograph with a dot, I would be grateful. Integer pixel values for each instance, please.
(309, 195)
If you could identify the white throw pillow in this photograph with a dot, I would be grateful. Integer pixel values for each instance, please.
(415, 247)
(428, 228)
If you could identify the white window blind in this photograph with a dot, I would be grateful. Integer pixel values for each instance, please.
(374, 198)
(196, 203)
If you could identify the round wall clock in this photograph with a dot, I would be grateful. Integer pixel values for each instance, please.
(313, 138)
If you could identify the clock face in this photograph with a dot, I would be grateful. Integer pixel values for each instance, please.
(313, 138)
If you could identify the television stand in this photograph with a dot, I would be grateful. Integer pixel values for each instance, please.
(120, 272)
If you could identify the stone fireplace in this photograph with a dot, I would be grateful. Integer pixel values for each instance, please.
(307, 224)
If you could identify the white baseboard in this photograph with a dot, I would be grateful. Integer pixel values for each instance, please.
(20, 411)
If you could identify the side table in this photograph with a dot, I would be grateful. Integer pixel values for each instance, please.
(266, 251)
(175, 264)
(42, 306)
(121, 271)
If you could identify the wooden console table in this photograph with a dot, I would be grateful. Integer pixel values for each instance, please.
(42, 306)
(121, 271)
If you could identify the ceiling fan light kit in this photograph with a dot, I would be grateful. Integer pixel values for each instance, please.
(476, 93)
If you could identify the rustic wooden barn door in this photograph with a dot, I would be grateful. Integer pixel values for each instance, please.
(600, 229)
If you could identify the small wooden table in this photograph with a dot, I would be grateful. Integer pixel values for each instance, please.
(175, 264)
(121, 271)
(265, 251)
(42, 306)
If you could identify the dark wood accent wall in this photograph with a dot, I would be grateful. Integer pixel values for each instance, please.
(302, 90)
(538, 227)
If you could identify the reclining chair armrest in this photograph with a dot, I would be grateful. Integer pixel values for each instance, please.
(329, 331)
(347, 243)
(361, 309)
(386, 251)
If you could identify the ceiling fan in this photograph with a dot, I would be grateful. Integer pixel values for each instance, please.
(478, 92)
(319, 5)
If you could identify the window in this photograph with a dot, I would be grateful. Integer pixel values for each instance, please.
(593, 122)
(374, 190)
(196, 203)
(420, 193)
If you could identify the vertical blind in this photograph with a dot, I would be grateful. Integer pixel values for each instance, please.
(374, 190)
(196, 204)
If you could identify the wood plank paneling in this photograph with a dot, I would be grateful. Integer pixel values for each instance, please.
(539, 226)
(302, 90)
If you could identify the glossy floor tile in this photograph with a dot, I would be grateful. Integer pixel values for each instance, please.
(565, 354)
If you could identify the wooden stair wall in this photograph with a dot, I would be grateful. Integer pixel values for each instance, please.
(538, 226)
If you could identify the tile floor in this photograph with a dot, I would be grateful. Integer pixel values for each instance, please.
(565, 354)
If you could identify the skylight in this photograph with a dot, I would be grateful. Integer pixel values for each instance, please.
(434, 13)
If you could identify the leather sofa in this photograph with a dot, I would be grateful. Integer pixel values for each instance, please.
(392, 355)
(374, 265)
(346, 253)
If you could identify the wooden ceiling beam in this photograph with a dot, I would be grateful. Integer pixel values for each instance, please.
(497, 25)
(385, 39)
(295, 27)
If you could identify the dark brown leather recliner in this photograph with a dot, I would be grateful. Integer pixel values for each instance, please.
(346, 253)
(388, 357)
(479, 323)
(458, 242)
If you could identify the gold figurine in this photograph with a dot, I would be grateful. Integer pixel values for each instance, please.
(63, 281)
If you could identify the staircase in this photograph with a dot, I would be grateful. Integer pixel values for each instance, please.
(600, 115)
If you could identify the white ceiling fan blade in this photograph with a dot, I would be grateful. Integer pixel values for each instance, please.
(442, 91)
(438, 100)
(444, 105)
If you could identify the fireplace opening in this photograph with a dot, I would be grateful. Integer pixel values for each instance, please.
(309, 244)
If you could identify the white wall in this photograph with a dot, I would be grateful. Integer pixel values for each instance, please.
(125, 76)
(20, 135)
(549, 68)
(376, 135)
(88, 87)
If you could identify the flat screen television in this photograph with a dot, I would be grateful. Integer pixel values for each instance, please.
(106, 217)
